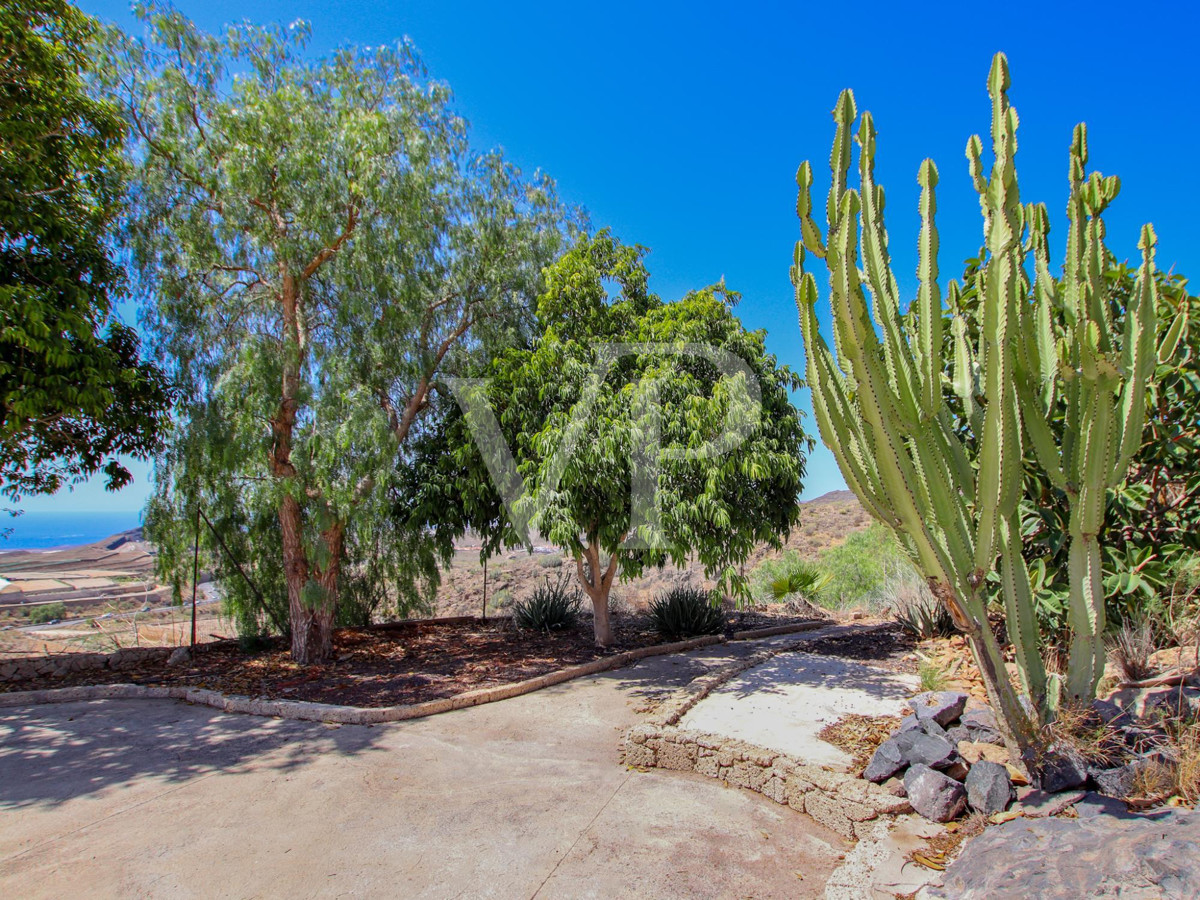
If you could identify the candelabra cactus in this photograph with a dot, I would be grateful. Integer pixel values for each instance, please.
(882, 401)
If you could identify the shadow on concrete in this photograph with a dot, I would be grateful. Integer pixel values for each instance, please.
(777, 675)
(50, 754)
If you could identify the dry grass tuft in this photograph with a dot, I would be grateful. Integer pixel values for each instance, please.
(1131, 647)
(1078, 726)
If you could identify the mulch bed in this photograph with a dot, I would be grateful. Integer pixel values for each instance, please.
(888, 648)
(383, 666)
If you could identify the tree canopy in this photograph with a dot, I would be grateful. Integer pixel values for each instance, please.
(639, 432)
(74, 394)
(321, 241)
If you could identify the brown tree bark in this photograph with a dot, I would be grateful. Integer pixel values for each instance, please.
(312, 625)
(597, 585)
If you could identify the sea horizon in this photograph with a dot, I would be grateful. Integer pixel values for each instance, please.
(45, 530)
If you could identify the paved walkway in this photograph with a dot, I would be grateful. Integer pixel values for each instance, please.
(784, 704)
(522, 798)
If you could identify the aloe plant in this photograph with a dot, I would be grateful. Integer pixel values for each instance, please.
(881, 395)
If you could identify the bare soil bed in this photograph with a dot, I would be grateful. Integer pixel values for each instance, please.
(389, 665)
(889, 648)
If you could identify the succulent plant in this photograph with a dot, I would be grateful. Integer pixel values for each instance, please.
(881, 394)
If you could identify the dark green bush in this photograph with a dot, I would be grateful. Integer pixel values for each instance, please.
(789, 576)
(686, 611)
(552, 605)
(925, 618)
(47, 612)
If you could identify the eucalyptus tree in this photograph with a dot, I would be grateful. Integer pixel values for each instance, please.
(633, 433)
(74, 393)
(319, 241)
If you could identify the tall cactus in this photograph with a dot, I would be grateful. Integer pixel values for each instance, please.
(1100, 383)
(882, 409)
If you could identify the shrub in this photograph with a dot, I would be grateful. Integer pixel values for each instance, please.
(552, 605)
(550, 560)
(924, 617)
(788, 577)
(686, 611)
(47, 612)
(859, 569)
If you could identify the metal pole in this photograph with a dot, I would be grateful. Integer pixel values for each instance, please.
(485, 559)
(195, 574)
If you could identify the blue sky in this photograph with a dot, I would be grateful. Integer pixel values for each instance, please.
(681, 125)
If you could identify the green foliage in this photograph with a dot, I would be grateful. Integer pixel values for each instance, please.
(686, 612)
(73, 392)
(882, 404)
(858, 569)
(320, 243)
(715, 505)
(553, 605)
(787, 577)
(46, 612)
(932, 677)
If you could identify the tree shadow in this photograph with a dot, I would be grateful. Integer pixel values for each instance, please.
(51, 754)
(778, 675)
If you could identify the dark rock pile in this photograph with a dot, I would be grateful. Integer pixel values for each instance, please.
(947, 759)
(939, 778)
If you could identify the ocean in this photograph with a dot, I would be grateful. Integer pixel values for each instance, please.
(41, 530)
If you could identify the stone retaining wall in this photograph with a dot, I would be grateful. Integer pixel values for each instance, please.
(840, 802)
(53, 666)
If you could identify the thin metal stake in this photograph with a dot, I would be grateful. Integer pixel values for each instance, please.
(195, 574)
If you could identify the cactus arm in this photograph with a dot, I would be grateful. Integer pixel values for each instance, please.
(929, 297)
(1138, 349)
(1085, 612)
(1020, 618)
(836, 420)
(810, 233)
(886, 308)
(1175, 333)
(1000, 468)
(839, 158)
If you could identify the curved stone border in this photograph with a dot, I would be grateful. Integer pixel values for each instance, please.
(358, 715)
(345, 715)
(839, 801)
(842, 802)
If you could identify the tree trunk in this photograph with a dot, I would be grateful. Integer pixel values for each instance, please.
(312, 624)
(312, 627)
(1020, 734)
(597, 586)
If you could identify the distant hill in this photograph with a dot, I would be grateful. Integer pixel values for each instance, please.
(835, 497)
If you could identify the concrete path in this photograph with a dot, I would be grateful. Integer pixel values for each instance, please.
(784, 703)
(522, 798)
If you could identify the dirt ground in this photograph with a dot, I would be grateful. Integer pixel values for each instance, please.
(397, 664)
(824, 523)
(119, 616)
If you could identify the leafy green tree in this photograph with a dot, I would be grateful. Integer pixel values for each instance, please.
(321, 243)
(73, 392)
(616, 420)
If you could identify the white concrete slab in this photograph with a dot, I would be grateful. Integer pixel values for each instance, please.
(785, 702)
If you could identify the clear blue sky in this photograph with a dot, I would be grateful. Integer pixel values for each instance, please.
(681, 125)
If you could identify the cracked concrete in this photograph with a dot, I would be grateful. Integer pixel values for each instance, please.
(522, 798)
